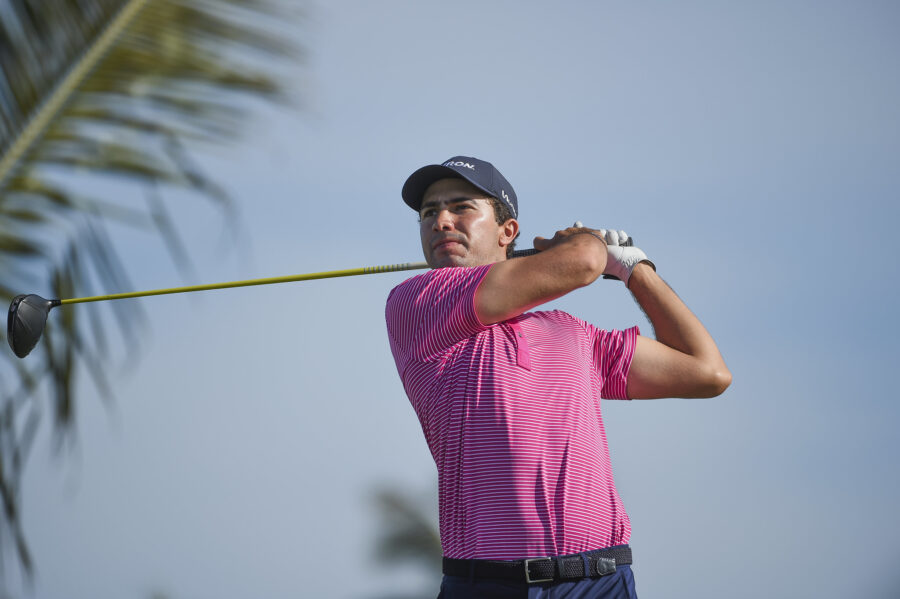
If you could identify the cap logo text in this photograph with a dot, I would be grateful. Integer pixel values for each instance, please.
(463, 164)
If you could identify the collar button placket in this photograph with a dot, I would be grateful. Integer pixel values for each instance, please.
(523, 356)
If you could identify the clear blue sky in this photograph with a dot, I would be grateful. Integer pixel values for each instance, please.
(751, 150)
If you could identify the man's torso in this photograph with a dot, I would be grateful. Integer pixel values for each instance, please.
(511, 414)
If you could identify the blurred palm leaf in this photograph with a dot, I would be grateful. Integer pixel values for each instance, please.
(408, 535)
(116, 89)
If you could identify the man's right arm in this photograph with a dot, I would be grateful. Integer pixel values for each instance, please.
(574, 258)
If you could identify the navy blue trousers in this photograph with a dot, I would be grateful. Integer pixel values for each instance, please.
(613, 586)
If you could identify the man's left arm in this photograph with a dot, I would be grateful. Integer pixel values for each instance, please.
(683, 361)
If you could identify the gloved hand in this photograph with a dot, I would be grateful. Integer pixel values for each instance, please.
(623, 256)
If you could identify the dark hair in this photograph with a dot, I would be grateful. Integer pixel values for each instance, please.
(501, 215)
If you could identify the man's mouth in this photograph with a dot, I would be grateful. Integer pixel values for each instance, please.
(445, 242)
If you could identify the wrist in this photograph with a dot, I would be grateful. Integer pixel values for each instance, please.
(642, 272)
(594, 233)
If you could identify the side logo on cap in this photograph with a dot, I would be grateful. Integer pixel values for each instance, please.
(463, 164)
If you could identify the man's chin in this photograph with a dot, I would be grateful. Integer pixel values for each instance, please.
(453, 260)
(444, 260)
(447, 262)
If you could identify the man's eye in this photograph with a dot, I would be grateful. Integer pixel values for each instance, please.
(429, 212)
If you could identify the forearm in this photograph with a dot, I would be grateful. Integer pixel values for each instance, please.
(678, 328)
(562, 265)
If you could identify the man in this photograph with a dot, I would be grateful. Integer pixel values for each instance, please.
(509, 399)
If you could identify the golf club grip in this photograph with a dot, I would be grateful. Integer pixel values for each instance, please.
(522, 253)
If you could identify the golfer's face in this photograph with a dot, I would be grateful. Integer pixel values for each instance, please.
(458, 227)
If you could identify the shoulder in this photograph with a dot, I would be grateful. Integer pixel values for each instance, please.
(439, 297)
(438, 283)
(407, 285)
(431, 312)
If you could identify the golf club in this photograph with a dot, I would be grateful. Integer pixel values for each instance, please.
(28, 313)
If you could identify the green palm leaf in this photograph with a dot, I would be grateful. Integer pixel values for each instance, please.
(408, 531)
(407, 535)
(114, 88)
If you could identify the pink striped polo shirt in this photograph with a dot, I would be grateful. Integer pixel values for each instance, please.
(511, 414)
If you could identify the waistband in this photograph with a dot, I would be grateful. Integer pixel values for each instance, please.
(589, 564)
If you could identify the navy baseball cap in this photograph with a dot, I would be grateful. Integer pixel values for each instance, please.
(479, 173)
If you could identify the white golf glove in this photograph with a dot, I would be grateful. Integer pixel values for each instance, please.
(623, 256)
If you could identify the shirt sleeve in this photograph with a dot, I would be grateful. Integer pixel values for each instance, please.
(613, 352)
(429, 313)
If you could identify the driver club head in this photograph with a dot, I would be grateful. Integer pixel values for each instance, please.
(26, 320)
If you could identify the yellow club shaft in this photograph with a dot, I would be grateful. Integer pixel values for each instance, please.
(350, 272)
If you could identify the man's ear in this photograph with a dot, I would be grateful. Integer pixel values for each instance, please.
(508, 232)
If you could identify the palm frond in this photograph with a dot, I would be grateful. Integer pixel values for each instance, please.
(117, 89)
(408, 533)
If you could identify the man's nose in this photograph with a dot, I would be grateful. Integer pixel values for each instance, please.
(443, 220)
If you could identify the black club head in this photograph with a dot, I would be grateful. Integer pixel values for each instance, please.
(26, 320)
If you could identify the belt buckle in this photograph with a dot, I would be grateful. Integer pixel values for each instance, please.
(605, 565)
(529, 579)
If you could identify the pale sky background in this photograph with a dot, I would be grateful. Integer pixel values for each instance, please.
(751, 149)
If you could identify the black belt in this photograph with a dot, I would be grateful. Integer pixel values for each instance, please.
(542, 569)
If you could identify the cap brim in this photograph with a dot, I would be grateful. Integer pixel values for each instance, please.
(419, 181)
